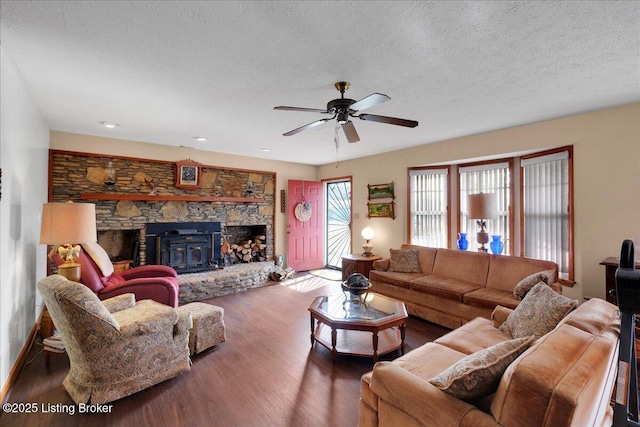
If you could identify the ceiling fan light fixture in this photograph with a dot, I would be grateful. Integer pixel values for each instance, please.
(343, 117)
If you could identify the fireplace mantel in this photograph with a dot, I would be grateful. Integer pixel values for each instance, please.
(166, 197)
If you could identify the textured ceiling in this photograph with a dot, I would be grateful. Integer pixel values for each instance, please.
(169, 71)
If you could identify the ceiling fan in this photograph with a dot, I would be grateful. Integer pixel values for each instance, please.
(343, 108)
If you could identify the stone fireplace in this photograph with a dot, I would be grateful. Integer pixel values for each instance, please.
(131, 217)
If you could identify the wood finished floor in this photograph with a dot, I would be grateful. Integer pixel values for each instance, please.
(266, 374)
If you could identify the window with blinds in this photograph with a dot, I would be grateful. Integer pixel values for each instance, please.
(429, 209)
(546, 202)
(486, 178)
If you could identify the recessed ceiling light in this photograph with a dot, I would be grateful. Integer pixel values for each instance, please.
(200, 138)
(109, 125)
(265, 150)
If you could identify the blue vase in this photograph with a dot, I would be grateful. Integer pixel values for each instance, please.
(463, 243)
(496, 245)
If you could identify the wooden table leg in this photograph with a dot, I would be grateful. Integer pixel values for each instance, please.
(375, 346)
(334, 340)
(403, 331)
(313, 326)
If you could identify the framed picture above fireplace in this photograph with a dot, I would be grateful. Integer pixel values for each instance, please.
(188, 174)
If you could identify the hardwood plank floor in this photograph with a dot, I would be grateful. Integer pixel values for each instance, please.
(266, 374)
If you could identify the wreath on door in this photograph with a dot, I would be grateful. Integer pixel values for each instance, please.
(302, 211)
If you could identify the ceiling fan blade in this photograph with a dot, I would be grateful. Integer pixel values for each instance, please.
(389, 120)
(369, 101)
(309, 110)
(350, 131)
(305, 127)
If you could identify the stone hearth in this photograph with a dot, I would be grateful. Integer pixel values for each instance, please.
(210, 284)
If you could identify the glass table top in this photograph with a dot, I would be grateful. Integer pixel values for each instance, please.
(344, 307)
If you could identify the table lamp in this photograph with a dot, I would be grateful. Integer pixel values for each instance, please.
(66, 224)
(367, 234)
(481, 207)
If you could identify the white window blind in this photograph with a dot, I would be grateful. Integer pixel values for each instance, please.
(546, 209)
(486, 178)
(428, 194)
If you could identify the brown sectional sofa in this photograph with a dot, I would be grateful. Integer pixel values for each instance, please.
(565, 378)
(454, 287)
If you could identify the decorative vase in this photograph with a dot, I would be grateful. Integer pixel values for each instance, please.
(496, 245)
(463, 243)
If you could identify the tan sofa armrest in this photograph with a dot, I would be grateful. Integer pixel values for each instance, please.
(499, 315)
(120, 302)
(422, 400)
(382, 264)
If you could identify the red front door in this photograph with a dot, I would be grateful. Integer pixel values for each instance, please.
(305, 215)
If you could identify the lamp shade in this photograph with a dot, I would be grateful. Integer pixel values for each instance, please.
(367, 233)
(482, 206)
(64, 223)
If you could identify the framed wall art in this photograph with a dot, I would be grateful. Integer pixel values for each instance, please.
(381, 210)
(188, 174)
(381, 191)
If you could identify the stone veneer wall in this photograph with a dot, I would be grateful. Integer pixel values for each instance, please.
(73, 174)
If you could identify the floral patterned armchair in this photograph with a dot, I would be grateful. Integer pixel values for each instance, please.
(116, 347)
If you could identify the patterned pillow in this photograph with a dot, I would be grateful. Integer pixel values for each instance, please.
(478, 374)
(525, 285)
(404, 261)
(538, 313)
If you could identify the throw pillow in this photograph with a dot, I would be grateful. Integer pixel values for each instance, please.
(404, 261)
(478, 374)
(525, 285)
(538, 313)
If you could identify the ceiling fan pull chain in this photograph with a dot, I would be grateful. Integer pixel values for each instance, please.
(336, 140)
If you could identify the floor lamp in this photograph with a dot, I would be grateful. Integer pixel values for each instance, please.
(482, 207)
(65, 225)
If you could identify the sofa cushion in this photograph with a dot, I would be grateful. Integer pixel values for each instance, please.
(442, 286)
(428, 360)
(478, 374)
(525, 285)
(471, 267)
(506, 271)
(473, 336)
(538, 313)
(404, 261)
(426, 257)
(393, 278)
(490, 298)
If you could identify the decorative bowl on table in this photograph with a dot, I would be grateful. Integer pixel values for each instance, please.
(357, 284)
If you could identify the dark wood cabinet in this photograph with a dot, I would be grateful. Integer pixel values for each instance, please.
(357, 264)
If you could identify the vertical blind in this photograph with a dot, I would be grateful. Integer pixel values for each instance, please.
(546, 209)
(486, 178)
(429, 224)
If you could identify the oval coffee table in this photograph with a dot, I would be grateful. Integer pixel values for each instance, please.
(346, 325)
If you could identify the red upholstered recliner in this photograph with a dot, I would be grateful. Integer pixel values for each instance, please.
(156, 282)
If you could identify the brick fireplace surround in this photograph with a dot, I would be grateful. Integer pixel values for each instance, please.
(145, 192)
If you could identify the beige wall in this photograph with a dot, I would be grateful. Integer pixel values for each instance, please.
(108, 146)
(24, 140)
(606, 178)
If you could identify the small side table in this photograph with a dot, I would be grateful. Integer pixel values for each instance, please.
(354, 263)
(120, 266)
